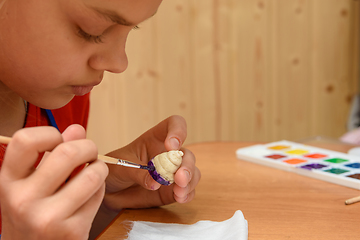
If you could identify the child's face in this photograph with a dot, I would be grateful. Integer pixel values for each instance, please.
(52, 50)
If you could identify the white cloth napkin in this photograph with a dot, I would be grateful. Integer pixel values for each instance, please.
(235, 228)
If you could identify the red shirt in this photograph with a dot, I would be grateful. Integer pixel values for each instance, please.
(75, 112)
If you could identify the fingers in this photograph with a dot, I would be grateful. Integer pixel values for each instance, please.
(24, 148)
(138, 197)
(129, 188)
(186, 178)
(171, 132)
(176, 133)
(84, 216)
(186, 171)
(183, 190)
(32, 201)
(130, 176)
(81, 189)
(74, 132)
(60, 163)
(23, 151)
(150, 183)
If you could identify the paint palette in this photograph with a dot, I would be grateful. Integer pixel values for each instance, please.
(319, 163)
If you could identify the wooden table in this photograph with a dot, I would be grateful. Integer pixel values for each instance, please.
(277, 204)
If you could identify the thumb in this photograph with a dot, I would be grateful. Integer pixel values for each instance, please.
(150, 183)
(176, 132)
(71, 133)
(144, 179)
(74, 132)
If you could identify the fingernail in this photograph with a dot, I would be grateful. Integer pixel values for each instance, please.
(147, 180)
(186, 198)
(155, 186)
(174, 143)
(188, 175)
(151, 184)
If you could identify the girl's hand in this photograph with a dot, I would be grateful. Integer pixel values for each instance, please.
(135, 188)
(35, 203)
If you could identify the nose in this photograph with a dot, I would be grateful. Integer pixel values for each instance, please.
(111, 58)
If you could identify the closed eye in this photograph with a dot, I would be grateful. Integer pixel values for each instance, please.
(90, 38)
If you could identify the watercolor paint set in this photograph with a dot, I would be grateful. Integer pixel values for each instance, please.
(319, 163)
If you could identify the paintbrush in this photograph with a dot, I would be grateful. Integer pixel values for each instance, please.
(352, 200)
(110, 160)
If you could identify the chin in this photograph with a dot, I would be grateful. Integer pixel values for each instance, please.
(53, 103)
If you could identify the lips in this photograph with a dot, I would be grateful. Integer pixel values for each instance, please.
(84, 89)
(81, 90)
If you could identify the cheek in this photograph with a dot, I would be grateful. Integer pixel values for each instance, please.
(53, 56)
(44, 57)
(40, 56)
(40, 45)
(38, 62)
(38, 69)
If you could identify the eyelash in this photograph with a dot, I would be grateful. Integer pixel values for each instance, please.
(89, 37)
(96, 39)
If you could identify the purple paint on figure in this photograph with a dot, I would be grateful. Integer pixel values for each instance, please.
(156, 176)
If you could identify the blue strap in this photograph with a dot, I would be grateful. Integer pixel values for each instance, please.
(51, 118)
(53, 123)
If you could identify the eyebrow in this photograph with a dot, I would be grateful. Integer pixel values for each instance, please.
(113, 16)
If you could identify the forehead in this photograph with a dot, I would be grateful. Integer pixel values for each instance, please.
(133, 11)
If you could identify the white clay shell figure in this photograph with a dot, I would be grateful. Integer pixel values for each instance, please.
(166, 164)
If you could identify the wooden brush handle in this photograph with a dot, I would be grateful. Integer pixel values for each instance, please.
(5, 140)
(108, 159)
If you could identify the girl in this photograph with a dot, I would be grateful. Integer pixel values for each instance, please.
(52, 53)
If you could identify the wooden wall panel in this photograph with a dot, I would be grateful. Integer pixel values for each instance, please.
(260, 70)
(334, 82)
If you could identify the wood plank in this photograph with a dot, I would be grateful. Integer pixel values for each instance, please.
(236, 70)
